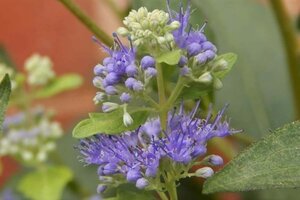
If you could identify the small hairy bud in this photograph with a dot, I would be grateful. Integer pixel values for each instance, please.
(204, 172)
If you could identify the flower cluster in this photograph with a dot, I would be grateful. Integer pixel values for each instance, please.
(149, 28)
(121, 74)
(39, 70)
(29, 136)
(137, 155)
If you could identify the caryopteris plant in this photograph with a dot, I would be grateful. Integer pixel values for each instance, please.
(140, 137)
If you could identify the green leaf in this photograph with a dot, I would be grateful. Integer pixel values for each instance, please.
(272, 162)
(59, 85)
(46, 183)
(109, 123)
(170, 58)
(231, 59)
(5, 90)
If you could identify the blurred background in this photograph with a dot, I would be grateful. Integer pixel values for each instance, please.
(263, 89)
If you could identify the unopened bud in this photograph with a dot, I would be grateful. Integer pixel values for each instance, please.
(127, 119)
(204, 172)
(205, 78)
(109, 106)
(122, 31)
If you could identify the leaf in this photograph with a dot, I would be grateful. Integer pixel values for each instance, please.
(170, 58)
(47, 183)
(231, 59)
(109, 123)
(272, 162)
(5, 90)
(59, 85)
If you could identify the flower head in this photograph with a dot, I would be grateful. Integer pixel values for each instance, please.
(149, 28)
(138, 154)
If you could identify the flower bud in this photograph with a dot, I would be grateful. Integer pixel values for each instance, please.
(109, 106)
(131, 70)
(110, 169)
(110, 90)
(147, 61)
(205, 78)
(97, 81)
(185, 71)
(183, 61)
(151, 171)
(151, 72)
(142, 183)
(133, 175)
(220, 65)
(210, 54)
(122, 31)
(204, 172)
(99, 97)
(125, 97)
(127, 119)
(215, 160)
(130, 82)
(193, 49)
(112, 78)
(201, 58)
(108, 60)
(218, 84)
(101, 188)
(99, 70)
(138, 86)
(174, 25)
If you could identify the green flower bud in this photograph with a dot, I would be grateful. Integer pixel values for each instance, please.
(205, 78)
(149, 28)
(127, 119)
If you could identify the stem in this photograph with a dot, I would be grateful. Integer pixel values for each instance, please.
(176, 92)
(90, 24)
(173, 191)
(162, 97)
(162, 195)
(290, 41)
(115, 9)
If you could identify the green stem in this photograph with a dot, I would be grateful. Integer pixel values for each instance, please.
(90, 24)
(176, 92)
(162, 97)
(115, 9)
(290, 41)
(173, 191)
(162, 195)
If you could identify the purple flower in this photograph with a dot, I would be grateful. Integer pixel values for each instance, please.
(191, 40)
(137, 154)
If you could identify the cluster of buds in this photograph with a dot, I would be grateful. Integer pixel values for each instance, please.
(149, 28)
(39, 70)
(29, 136)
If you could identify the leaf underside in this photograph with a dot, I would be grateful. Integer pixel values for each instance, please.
(273, 162)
